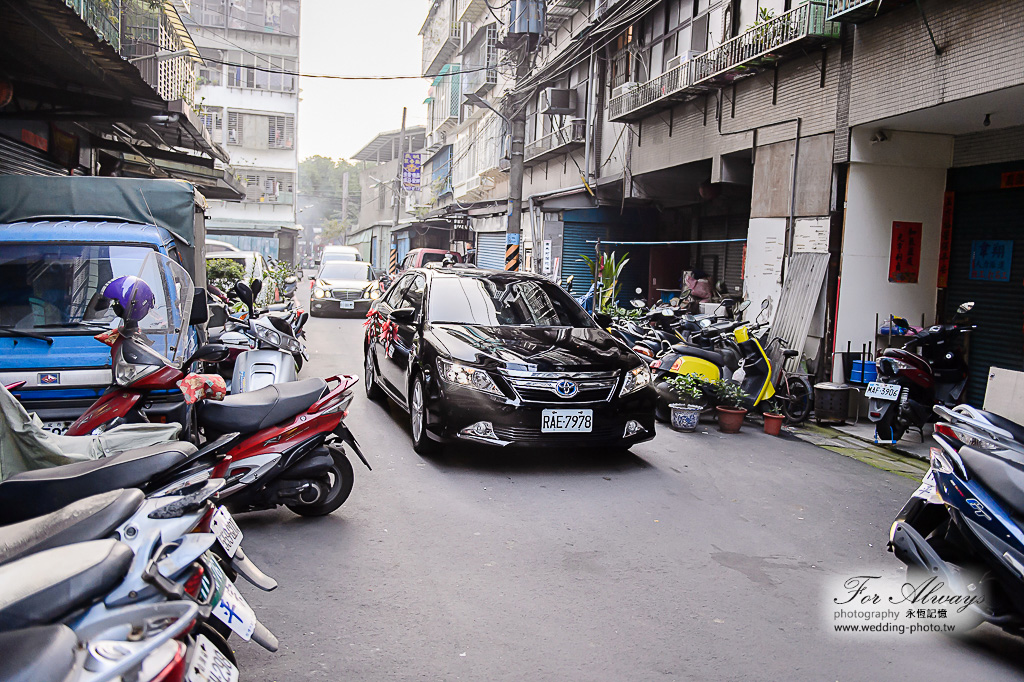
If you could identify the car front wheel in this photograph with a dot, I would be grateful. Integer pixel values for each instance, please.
(421, 442)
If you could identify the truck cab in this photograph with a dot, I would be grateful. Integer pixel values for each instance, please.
(53, 269)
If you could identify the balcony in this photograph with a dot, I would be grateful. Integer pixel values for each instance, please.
(765, 44)
(760, 46)
(657, 93)
(441, 35)
(856, 11)
(559, 141)
(470, 10)
(101, 17)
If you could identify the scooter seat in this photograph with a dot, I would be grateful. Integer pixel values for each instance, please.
(41, 654)
(1001, 473)
(704, 354)
(34, 493)
(1013, 428)
(42, 588)
(92, 518)
(257, 410)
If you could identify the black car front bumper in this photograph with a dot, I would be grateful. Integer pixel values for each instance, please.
(518, 424)
(332, 306)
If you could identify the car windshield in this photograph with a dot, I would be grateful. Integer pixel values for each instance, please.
(432, 258)
(60, 285)
(339, 256)
(346, 270)
(500, 302)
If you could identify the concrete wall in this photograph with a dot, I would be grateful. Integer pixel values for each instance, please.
(903, 179)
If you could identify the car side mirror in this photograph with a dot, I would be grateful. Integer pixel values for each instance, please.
(200, 313)
(209, 352)
(603, 319)
(403, 314)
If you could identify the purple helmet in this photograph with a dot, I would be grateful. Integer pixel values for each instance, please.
(134, 295)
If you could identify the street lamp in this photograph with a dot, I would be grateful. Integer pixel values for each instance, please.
(478, 101)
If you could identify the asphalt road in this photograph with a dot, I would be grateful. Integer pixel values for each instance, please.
(696, 557)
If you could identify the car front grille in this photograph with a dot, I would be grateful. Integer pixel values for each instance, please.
(346, 295)
(592, 387)
(532, 434)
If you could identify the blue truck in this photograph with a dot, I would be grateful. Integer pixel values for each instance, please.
(61, 240)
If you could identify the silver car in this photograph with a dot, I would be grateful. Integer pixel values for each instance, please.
(344, 287)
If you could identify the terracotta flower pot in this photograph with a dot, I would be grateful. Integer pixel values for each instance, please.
(773, 423)
(730, 419)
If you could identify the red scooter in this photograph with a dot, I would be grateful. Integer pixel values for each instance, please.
(291, 450)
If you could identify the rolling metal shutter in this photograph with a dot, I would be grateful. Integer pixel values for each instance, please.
(20, 159)
(724, 261)
(999, 306)
(574, 246)
(402, 243)
(490, 250)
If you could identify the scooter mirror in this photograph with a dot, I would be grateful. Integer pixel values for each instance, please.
(742, 306)
(674, 301)
(244, 293)
(965, 308)
(303, 318)
(568, 282)
(667, 312)
(765, 304)
(257, 287)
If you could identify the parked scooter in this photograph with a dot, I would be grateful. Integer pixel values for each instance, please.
(273, 354)
(294, 434)
(960, 525)
(910, 384)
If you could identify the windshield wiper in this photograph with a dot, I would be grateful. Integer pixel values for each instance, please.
(24, 334)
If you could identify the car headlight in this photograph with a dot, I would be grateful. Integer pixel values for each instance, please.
(127, 373)
(467, 377)
(636, 378)
(319, 293)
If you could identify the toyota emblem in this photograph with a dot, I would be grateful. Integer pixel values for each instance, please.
(566, 388)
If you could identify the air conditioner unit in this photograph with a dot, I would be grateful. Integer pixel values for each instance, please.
(557, 101)
(623, 89)
(578, 133)
(689, 55)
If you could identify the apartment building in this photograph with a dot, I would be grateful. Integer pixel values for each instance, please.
(249, 94)
(856, 158)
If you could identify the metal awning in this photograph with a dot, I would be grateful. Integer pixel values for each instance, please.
(384, 144)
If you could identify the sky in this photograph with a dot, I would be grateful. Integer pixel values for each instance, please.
(358, 38)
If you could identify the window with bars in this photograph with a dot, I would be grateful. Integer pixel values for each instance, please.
(275, 187)
(281, 132)
(213, 119)
(264, 16)
(234, 128)
(262, 71)
(209, 12)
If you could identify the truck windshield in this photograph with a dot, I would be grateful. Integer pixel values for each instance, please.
(47, 285)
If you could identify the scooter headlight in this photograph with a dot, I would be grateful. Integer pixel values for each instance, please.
(127, 373)
(636, 378)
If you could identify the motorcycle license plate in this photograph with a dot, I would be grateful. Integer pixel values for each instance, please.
(881, 391)
(567, 421)
(229, 606)
(346, 305)
(57, 428)
(927, 488)
(208, 664)
(226, 530)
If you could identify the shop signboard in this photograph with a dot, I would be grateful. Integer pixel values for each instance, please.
(905, 252)
(991, 260)
(412, 171)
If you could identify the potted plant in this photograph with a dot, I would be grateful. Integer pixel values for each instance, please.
(729, 398)
(773, 417)
(690, 389)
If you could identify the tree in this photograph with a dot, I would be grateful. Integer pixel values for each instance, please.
(321, 180)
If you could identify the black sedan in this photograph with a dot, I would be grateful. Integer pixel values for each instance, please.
(504, 359)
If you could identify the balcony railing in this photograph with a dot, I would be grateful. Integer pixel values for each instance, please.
(765, 43)
(761, 45)
(556, 142)
(470, 10)
(441, 35)
(102, 17)
(855, 11)
(652, 95)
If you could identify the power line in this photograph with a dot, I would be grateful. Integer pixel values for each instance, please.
(333, 76)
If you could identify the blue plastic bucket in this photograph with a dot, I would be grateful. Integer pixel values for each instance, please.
(857, 372)
(870, 372)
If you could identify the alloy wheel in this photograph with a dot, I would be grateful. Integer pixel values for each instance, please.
(417, 410)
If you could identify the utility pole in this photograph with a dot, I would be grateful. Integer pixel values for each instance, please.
(392, 243)
(344, 197)
(514, 232)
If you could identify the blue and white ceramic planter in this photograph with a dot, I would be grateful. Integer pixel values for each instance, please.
(685, 417)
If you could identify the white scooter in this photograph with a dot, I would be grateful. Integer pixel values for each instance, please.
(274, 354)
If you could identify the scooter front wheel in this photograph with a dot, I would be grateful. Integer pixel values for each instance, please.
(340, 478)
